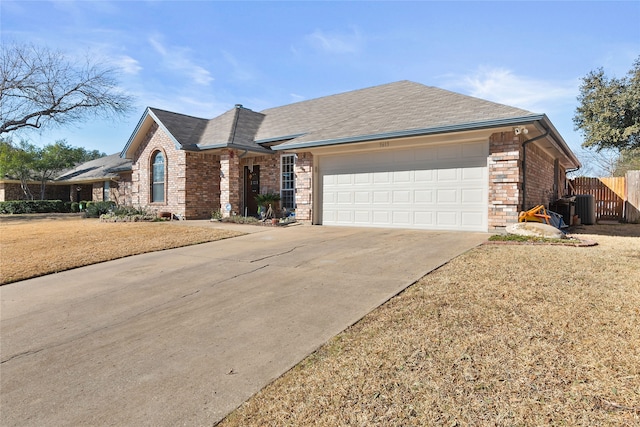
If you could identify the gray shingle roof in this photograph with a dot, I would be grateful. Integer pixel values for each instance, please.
(388, 108)
(106, 167)
(374, 112)
(236, 127)
(187, 130)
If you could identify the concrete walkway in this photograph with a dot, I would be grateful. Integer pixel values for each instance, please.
(182, 337)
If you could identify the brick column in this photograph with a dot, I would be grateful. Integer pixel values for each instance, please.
(505, 179)
(230, 181)
(304, 186)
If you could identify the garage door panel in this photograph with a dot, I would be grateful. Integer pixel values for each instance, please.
(435, 187)
(472, 195)
(362, 179)
(450, 175)
(425, 176)
(446, 196)
(401, 217)
(344, 197)
(381, 177)
(423, 218)
(381, 197)
(471, 220)
(381, 217)
(402, 177)
(344, 216)
(362, 217)
(472, 173)
(344, 179)
(423, 196)
(401, 196)
(447, 218)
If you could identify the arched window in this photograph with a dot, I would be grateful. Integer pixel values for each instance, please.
(157, 177)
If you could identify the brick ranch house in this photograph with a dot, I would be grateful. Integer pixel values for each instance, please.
(106, 178)
(400, 155)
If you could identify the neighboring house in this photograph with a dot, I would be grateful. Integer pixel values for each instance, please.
(106, 178)
(396, 155)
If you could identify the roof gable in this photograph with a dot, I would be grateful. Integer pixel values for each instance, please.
(235, 128)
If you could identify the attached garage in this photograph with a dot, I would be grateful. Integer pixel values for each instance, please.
(436, 187)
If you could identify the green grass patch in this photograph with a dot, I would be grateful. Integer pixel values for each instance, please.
(530, 239)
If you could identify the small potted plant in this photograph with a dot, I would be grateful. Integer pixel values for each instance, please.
(269, 203)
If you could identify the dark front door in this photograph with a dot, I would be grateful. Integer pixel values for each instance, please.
(251, 189)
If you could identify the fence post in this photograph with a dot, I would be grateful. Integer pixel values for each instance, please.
(632, 204)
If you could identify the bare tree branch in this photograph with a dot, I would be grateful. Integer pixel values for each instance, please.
(41, 87)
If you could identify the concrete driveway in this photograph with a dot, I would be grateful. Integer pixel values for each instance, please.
(182, 337)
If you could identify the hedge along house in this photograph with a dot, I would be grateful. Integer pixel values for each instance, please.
(397, 155)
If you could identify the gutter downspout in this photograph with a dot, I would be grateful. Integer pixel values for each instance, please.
(524, 166)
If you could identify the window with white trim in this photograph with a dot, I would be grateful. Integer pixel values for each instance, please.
(157, 177)
(288, 181)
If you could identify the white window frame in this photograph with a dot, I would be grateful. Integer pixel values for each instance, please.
(288, 160)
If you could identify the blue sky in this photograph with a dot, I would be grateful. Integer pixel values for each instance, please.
(202, 57)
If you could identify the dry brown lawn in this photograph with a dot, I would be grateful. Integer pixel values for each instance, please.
(501, 336)
(34, 245)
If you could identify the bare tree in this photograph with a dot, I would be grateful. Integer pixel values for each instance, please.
(41, 87)
(597, 163)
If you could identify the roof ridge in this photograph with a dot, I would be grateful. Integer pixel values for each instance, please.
(179, 114)
(339, 94)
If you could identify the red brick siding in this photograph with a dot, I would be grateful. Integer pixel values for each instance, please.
(97, 191)
(539, 183)
(121, 190)
(505, 179)
(269, 172)
(202, 193)
(175, 175)
(13, 191)
(230, 179)
(304, 187)
(506, 195)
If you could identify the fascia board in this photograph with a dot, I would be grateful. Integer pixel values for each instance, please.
(279, 138)
(163, 127)
(412, 132)
(234, 146)
(560, 142)
(148, 113)
(123, 153)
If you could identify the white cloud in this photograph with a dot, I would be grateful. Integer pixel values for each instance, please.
(128, 64)
(336, 42)
(177, 59)
(504, 86)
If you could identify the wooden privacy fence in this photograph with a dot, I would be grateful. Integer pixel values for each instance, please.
(616, 198)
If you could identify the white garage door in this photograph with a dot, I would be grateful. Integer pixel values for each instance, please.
(440, 187)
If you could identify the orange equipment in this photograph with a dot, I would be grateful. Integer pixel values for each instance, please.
(537, 214)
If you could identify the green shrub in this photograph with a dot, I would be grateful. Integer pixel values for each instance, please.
(95, 209)
(31, 206)
(75, 207)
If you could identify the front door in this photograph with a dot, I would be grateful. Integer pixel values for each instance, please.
(251, 189)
